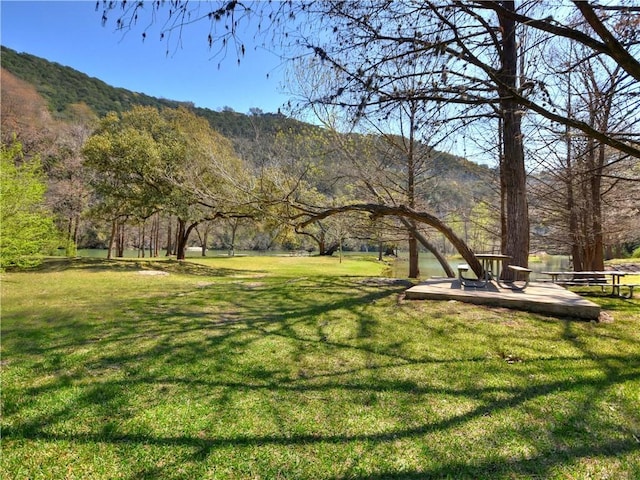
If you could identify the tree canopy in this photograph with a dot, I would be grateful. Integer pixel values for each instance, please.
(450, 45)
(26, 226)
(146, 161)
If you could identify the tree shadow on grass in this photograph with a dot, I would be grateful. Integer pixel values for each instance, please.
(618, 305)
(540, 465)
(157, 343)
(58, 264)
(529, 468)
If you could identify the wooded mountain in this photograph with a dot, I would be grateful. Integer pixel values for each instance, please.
(63, 86)
(454, 186)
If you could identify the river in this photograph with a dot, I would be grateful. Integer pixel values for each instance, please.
(430, 267)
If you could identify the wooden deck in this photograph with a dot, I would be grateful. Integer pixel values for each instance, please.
(539, 297)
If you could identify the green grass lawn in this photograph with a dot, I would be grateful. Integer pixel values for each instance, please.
(303, 367)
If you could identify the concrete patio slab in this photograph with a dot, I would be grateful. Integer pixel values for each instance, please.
(539, 297)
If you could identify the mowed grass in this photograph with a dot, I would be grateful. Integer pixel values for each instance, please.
(303, 367)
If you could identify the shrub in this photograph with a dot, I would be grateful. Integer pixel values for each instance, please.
(27, 228)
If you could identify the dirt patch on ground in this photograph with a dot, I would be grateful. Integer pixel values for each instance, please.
(605, 317)
(383, 281)
(152, 272)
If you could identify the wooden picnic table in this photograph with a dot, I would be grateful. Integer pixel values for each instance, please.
(491, 264)
(591, 278)
(491, 267)
(487, 261)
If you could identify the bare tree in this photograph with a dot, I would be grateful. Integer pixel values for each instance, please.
(466, 52)
(576, 187)
(25, 117)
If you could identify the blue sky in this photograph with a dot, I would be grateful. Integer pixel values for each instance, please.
(70, 33)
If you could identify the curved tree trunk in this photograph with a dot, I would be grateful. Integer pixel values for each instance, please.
(408, 213)
(431, 248)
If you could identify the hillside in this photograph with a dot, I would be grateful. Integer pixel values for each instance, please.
(62, 88)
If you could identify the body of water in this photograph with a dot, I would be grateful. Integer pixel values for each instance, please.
(430, 267)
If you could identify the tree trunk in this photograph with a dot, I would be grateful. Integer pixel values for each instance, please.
(142, 234)
(377, 210)
(390, 251)
(595, 243)
(414, 260)
(517, 215)
(503, 188)
(204, 238)
(156, 235)
(572, 210)
(203, 245)
(414, 267)
(513, 175)
(183, 238)
(169, 238)
(333, 248)
(76, 229)
(234, 230)
(322, 245)
(572, 207)
(112, 238)
(596, 212)
(120, 241)
(70, 245)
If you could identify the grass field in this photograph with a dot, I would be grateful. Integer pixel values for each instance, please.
(303, 367)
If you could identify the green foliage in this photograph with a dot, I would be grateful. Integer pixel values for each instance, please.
(147, 160)
(240, 126)
(636, 253)
(27, 229)
(63, 87)
(123, 158)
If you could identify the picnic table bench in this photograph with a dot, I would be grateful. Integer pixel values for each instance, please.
(521, 272)
(594, 279)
